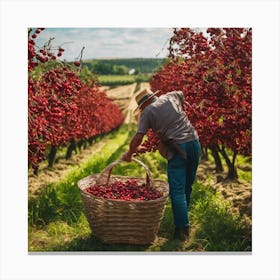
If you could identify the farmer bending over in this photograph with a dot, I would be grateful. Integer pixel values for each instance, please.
(179, 145)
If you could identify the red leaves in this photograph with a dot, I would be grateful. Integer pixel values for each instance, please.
(96, 113)
(129, 190)
(35, 57)
(216, 81)
(186, 43)
(61, 107)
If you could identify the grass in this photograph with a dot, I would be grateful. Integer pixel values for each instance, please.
(119, 80)
(57, 221)
(216, 226)
(54, 201)
(242, 163)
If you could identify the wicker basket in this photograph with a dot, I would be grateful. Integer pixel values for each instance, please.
(119, 221)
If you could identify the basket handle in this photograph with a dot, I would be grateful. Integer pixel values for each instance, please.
(110, 167)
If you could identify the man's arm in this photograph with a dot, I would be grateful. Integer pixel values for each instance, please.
(134, 143)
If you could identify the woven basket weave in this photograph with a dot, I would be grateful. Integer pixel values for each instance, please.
(119, 221)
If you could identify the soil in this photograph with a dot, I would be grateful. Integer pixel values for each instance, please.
(238, 192)
(123, 96)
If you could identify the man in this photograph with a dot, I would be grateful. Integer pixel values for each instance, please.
(179, 145)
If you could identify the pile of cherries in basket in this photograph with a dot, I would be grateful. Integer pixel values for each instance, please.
(129, 190)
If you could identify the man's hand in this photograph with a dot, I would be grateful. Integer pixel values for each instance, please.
(134, 143)
(126, 157)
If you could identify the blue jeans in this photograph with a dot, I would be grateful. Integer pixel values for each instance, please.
(181, 175)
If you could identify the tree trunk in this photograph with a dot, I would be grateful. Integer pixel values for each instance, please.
(52, 155)
(90, 140)
(80, 144)
(204, 153)
(36, 171)
(71, 148)
(218, 163)
(85, 144)
(232, 172)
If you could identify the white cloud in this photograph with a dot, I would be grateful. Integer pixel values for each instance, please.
(108, 42)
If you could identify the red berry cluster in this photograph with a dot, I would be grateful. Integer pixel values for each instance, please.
(215, 74)
(129, 190)
(61, 107)
(44, 54)
(150, 145)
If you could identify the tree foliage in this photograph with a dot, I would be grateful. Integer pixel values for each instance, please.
(215, 74)
(64, 102)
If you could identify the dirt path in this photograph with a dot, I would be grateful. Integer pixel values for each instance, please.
(61, 168)
(123, 96)
(132, 115)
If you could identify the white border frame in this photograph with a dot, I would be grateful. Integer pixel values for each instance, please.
(262, 16)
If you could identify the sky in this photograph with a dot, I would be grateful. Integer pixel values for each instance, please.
(108, 42)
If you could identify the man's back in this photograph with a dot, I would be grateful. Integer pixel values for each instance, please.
(166, 115)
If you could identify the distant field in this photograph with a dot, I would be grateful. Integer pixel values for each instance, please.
(144, 65)
(118, 80)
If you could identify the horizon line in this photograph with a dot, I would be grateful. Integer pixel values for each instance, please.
(124, 58)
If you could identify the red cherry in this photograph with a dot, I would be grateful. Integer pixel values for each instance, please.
(126, 191)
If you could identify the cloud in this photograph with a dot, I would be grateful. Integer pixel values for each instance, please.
(108, 42)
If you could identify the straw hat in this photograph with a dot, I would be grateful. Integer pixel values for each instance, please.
(144, 96)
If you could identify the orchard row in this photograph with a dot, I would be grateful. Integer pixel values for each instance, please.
(62, 109)
(214, 71)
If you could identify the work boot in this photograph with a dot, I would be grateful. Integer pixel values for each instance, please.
(182, 233)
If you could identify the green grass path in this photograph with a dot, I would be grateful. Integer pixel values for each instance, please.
(57, 221)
